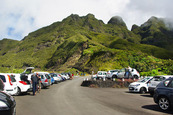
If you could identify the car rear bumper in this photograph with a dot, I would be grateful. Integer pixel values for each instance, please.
(46, 84)
(12, 91)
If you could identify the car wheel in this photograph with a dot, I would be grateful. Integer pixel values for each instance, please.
(135, 76)
(164, 103)
(142, 90)
(114, 76)
(18, 91)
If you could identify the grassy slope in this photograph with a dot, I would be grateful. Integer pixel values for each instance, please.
(86, 44)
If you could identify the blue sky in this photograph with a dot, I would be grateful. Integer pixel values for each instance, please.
(20, 17)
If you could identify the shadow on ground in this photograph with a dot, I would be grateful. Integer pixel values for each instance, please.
(156, 108)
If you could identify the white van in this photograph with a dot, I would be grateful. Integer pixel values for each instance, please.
(10, 83)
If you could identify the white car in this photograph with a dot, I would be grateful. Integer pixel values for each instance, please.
(140, 86)
(101, 74)
(10, 84)
(155, 81)
(110, 73)
(65, 75)
(23, 84)
(121, 74)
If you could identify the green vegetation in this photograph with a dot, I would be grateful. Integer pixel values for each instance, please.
(86, 44)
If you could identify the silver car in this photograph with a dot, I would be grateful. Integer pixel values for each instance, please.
(45, 79)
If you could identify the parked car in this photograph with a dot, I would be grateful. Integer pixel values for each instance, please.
(101, 74)
(163, 94)
(140, 86)
(56, 77)
(45, 79)
(121, 74)
(155, 81)
(65, 76)
(23, 84)
(27, 73)
(10, 84)
(7, 102)
(110, 73)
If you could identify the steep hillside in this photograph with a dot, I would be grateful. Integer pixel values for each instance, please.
(86, 44)
(156, 31)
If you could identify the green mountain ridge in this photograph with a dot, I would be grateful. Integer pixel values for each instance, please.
(86, 44)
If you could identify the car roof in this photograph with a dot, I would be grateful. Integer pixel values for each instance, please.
(167, 76)
(40, 72)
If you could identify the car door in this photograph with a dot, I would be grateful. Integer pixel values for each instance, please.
(121, 73)
(171, 90)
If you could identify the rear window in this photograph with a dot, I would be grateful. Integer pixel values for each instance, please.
(12, 78)
(166, 82)
(42, 77)
(47, 76)
(1, 85)
(2, 77)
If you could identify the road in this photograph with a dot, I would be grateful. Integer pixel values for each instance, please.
(69, 98)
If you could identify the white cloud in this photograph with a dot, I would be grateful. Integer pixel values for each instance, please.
(20, 17)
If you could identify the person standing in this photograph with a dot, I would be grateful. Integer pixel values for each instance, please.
(39, 82)
(34, 80)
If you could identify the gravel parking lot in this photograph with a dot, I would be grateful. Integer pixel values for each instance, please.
(69, 98)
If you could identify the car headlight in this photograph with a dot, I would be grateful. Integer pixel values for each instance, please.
(3, 106)
(137, 85)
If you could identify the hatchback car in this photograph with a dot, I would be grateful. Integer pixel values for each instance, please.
(163, 94)
(121, 74)
(55, 77)
(45, 79)
(110, 73)
(101, 74)
(155, 81)
(10, 84)
(7, 102)
(140, 86)
(23, 84)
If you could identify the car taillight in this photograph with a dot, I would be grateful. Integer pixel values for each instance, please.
(9, 80)
(46, 80)
(22, 82)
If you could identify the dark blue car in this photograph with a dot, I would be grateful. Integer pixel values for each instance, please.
(163, 94)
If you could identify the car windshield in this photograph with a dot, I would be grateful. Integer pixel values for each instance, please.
(100, 73)
(2, 77)
(113, 71)
(144, 80)
(158, 78)
(54, 75)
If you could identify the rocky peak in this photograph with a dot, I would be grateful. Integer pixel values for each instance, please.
(117, 20)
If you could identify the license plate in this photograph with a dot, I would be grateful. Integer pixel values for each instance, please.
(130, 88)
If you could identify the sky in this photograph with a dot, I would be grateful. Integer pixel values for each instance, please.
(18, 18)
